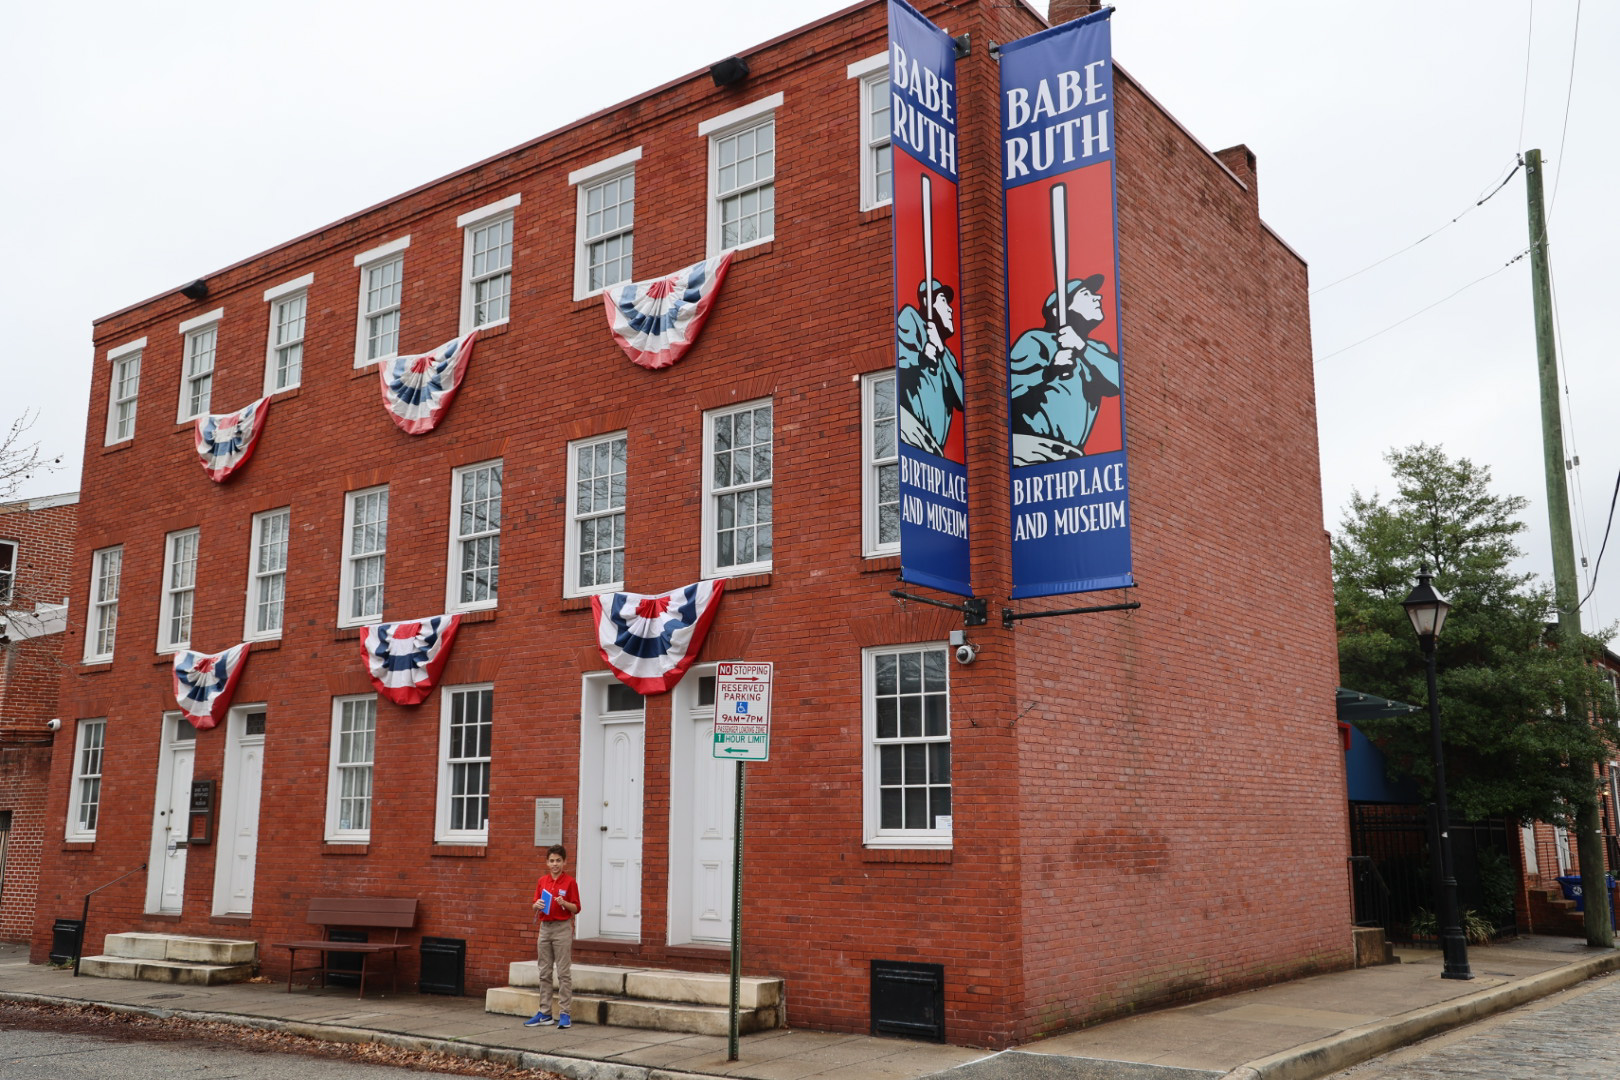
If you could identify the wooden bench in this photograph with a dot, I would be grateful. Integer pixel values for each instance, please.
(354, 912)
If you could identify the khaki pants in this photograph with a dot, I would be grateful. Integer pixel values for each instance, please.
(556, 947)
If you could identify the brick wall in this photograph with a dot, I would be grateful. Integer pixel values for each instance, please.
(1170, 772)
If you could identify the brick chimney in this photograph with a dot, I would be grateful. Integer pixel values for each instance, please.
(1062, 11)
(1240, 159)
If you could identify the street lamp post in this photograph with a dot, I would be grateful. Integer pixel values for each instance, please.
(1427, 609)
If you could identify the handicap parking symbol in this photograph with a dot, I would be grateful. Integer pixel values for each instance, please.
(742, 707)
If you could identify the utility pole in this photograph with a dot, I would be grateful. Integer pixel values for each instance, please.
(1588, 824)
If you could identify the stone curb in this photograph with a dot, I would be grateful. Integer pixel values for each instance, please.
(1312, 1060)
(574, 1068)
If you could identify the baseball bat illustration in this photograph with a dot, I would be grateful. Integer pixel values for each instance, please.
(1060, 250)
(928, 244)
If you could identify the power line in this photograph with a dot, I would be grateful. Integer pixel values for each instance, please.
(1432, 306)
(1569, 95)
(1599, 564)
(1524, 98)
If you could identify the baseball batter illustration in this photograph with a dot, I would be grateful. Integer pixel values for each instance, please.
(930, 377)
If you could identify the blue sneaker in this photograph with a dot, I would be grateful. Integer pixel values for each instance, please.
(541, 1019)
(563, 1021)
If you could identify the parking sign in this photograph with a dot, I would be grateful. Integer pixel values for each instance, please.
(742, 712)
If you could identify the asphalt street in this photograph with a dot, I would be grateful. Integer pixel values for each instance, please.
(1569, 1036)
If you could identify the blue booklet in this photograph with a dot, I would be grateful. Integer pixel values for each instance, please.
(546, 898)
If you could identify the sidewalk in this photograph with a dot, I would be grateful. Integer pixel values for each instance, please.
(1291, 1031)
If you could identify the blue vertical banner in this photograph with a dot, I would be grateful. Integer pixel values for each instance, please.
(928, 297)
(1069, 485)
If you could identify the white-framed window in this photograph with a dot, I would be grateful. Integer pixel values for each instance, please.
(907, 725)
(475, 536)
(101, 628)
(742, 175)
(594, 547)
(464, 758)
(8, 571)
(605, 223)
(877, 160)
(737, 469)
(365, 546)
(348, 786)
(179, 590)
(284, 355)
(382, 291)
(267, 574)
(486, 275)
(197, 364)
(880, 466)
(84, 798)
(124, 390)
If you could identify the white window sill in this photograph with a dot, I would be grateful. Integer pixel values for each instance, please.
(743, 247)
(890, 843)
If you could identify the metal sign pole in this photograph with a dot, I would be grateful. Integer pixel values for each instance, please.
(736, 912)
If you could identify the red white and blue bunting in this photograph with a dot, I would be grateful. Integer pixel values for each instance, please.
(417, 390)
(404, 659)
(205, 682)
(226, 441)
(656, 321)
(650, 641)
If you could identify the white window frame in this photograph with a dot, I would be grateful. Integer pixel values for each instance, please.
(365, 262)
(583, 180)
(712, 496)
(571, 544)
(258, 579)
(337, 767)
(875, 835)
(178, 597)
(191, 332)
(102, 609)
(873, 464)
(471, 223)
(278, 297)
(8, 572)
(443, 833)
(718, 128)
(348, 559)
(120, 358)
(85, 756)
(456, 562)
(871, 72)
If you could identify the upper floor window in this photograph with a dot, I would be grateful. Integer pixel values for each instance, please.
(738, 467)
(880, 475)
(742, 175)
(486, 280)
(382, 290)
(365, 545)
(267, 573)
(464, 759)
(84, 807)
(197, 366)
(604, 230)
(907, 770)
(596, 490)
(123, 390)
(877, 165)
(8, 571)
(179, 590)
(353, 755)
(101, 628)
(475, 537)
(289, 306)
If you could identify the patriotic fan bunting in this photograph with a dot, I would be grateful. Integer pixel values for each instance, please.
(417, 390)
(226, 441)
(204, 684)
(650, 641)
(656, 321)
(404, 659)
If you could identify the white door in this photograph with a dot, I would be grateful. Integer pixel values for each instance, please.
(621, 826)
(166, 880)
(238, 825)
(701, 820)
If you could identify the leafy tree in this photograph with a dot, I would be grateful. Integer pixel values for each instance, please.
(1512, 746)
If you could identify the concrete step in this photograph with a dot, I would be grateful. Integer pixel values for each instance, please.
(198, 950)
(636, 1013)
(165, 971)
(650, 984)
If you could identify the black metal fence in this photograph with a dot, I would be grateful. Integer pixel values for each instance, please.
(1395, 880)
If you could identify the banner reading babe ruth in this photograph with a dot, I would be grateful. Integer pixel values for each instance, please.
(1070, 503)
(927, 262)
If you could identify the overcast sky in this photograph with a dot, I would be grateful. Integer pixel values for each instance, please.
(154, 142)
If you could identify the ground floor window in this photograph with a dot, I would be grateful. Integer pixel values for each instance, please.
(908, 746)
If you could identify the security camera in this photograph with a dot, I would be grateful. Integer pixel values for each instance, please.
(966, 653)
(53, 725)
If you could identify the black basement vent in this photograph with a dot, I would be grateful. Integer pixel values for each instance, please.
(908, 999)
(444, 966)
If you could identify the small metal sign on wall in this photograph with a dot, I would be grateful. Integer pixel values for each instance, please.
(548, 822)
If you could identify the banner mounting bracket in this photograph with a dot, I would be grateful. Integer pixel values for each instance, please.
(975, 609)
(964, 45)
(1009, 616)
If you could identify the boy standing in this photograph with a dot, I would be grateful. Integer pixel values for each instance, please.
(556, 898)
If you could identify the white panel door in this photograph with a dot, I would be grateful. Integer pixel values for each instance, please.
(174, 801)
(239, 814)
(621, 828)
(712, 824)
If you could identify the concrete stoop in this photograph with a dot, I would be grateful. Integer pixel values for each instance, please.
(173, 958)
(691, 1002)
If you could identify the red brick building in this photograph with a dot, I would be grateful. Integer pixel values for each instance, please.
(1127, 808)
(36, 557)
